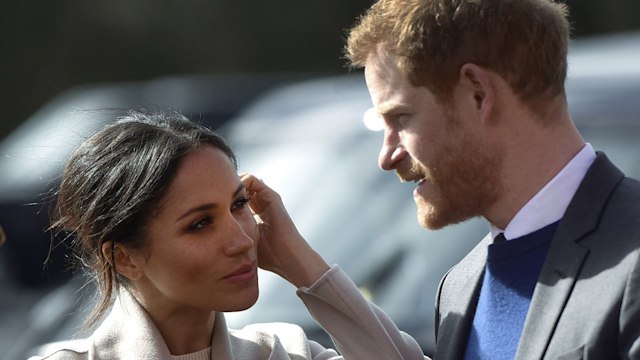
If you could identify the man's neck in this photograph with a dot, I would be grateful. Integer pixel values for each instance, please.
(534, 154)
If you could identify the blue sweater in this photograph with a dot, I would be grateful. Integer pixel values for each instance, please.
(511, 273)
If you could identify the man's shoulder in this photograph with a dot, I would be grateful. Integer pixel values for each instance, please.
(625, 202)
(605, 196)
(630, 186)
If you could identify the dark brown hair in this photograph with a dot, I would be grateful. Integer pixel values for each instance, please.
(113, 184)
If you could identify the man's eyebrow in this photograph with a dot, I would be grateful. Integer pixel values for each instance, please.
(391, 108)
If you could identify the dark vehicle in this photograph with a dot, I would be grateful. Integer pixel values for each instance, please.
(308, 141)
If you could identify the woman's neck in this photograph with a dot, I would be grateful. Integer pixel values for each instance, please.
(184, 329)
(186, 334)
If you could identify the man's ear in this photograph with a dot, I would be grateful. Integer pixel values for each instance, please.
(125, 261)
(478, 82)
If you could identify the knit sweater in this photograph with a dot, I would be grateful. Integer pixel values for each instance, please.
(511, 273)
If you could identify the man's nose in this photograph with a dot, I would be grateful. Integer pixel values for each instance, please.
(391, 151)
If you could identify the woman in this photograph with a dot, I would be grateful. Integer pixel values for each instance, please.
(165, 224)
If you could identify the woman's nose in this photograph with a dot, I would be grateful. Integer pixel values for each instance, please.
(240, 239)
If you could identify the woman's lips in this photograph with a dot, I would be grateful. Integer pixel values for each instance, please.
(243, 273)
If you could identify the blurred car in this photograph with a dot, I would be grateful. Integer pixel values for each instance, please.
(309, 142)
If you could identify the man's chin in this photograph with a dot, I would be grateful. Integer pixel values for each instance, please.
(428, 216)
(434, 218)
(429, 222)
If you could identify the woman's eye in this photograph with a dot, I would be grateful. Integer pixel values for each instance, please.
(240, 203)
(200, 224)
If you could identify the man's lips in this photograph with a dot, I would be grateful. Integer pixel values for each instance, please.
(243, 273)
(418, 179)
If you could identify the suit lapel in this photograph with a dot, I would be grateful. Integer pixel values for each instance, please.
(550, 296)
(457, 300)
(564, 260)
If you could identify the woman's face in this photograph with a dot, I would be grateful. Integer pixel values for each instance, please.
(201, 246)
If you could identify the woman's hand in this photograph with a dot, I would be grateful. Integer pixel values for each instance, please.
(281, 248)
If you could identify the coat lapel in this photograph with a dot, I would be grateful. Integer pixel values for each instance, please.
(220, 344)
(128, 333)
(564, 260)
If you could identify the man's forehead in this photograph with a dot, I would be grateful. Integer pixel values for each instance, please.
(388, 88)
(382, 72)
(381, 59)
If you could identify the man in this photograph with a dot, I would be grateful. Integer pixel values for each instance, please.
(472, 97)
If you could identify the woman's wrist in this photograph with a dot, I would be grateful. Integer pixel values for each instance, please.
(305, 270)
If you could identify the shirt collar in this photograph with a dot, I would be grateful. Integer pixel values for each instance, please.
(550, 203)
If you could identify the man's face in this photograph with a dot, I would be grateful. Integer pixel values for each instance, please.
(435, 145)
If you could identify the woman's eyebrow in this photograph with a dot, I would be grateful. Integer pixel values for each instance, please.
(198, 208)
(208, 206)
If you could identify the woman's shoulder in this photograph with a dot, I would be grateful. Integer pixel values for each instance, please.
(63, 350)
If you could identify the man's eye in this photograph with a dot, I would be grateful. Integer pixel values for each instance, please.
(397, 121)
(240, 203)
(401, 120)
(200, 224)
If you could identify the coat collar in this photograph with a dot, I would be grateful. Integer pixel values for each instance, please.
(129, 333)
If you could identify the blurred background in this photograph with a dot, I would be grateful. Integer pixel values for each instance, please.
(271, 77)
(50, 46)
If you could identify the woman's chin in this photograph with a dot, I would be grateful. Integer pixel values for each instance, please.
(243, 303)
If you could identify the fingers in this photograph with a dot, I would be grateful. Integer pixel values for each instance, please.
(260, 194)
(252, 183)
(255, 189)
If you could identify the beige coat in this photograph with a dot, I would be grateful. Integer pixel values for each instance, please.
(359, 329)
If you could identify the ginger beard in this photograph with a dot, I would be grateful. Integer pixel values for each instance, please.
(462, 182)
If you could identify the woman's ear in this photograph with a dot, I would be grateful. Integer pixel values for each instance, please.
(125, 261)
(478, 83)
